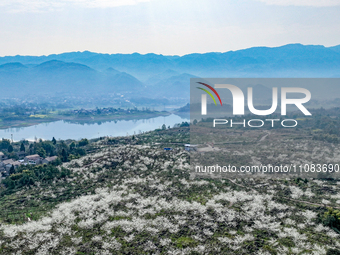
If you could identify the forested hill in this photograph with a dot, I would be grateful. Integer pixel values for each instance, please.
(158, 75)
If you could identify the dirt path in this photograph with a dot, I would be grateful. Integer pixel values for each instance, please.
(93, 161)
(264, 137)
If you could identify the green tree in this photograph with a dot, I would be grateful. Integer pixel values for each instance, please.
(13, 156)
(48, 147)
(10, 148)
(185, 124)
(163, 127)
(64, 155)
(333, 252)
(80, 152)
(41, 152)
(22, 147)
(332, 219)
(25, 142)
(12, 170)
(83, 142)
(4, 143)
(54, 141)
(57, 162)
(31, 148)
(72, 146)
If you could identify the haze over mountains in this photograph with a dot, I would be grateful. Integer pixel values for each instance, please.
(155, 76)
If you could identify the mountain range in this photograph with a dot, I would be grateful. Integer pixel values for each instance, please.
(153, 75)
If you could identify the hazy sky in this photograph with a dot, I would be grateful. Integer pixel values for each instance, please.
(170, 27)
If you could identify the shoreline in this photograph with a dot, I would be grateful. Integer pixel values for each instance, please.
(37, 121)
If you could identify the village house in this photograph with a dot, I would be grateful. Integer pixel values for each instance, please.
(33, 159)
(3, 165)
(6, 165)
(6, 162)
(49, 160)
(190, 147)
(21, 154)
(2, 156)
(16, 164)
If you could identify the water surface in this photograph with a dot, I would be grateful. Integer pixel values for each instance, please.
(67, 130)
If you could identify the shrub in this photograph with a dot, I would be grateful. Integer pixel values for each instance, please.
(333, 252)
(332, 219)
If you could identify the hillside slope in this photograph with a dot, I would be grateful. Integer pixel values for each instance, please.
(133, 197)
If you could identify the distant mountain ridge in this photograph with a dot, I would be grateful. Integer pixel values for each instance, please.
(12, 66)
(53, 65)
(55, 76)
(152, 75)
(258, 61)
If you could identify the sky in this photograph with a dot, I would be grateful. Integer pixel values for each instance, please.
(168, 27)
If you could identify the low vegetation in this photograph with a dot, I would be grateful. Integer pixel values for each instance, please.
(31, 114)
(133, 197)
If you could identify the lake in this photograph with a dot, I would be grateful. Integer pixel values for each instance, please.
(67, 130)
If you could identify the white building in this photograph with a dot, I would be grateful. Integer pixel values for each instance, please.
(190, 147)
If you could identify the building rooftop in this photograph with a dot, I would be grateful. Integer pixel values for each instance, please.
(190, 145)
(49, 159)
(8, 161)
(33, 156)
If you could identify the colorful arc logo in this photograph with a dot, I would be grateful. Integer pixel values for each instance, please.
(209, 93)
